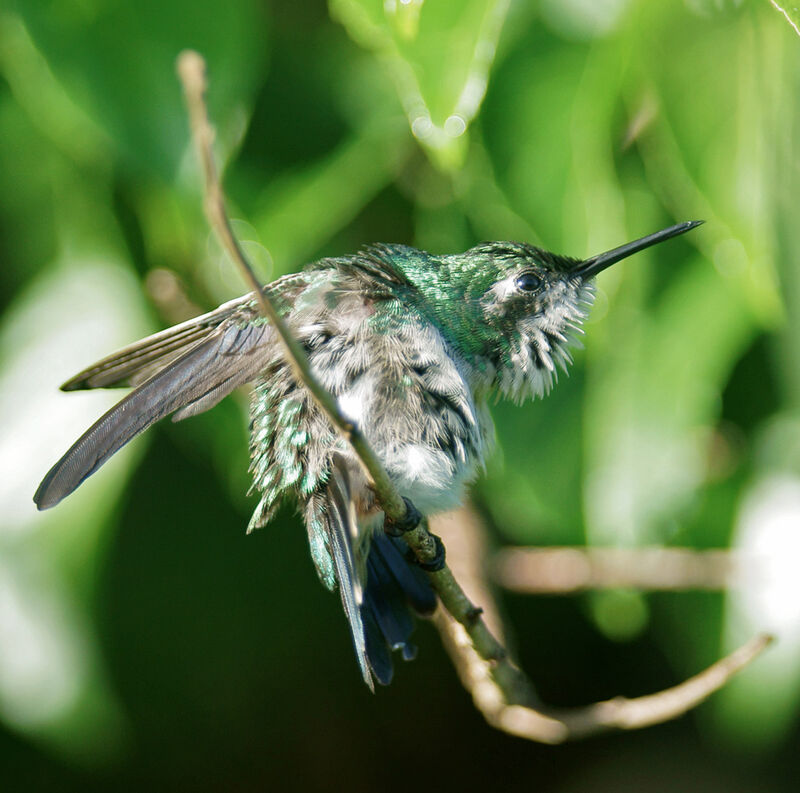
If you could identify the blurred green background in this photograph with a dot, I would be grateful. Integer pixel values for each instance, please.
(145, 640)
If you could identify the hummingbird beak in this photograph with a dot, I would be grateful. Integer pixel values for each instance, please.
(591, 267)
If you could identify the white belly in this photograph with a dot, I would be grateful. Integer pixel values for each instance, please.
(430, 477)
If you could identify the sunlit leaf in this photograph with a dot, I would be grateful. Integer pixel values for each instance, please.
(768, 599)
(440, 55)
(791, 12)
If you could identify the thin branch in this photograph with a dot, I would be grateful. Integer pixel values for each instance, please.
(464, 534)
(191, 70)
(546, 725)
(572, 569)
(501, 691)
(632, 714)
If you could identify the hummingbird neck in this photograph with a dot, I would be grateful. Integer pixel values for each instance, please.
(448, 291)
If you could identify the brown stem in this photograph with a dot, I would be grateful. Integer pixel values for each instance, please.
(573, 569)
(521, 715)
(548, 725)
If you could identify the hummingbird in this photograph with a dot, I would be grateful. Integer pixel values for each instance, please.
(412, 346)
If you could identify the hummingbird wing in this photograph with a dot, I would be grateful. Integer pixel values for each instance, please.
(138, 362)
(201, 375)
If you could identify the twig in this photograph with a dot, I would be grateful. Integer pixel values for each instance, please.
(572, 569)
(502, 683)
(191, 70)
(464, 533)
(632, 714)
(553, 726)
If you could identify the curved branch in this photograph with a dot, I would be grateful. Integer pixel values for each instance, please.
(464, 533)
(553, 726)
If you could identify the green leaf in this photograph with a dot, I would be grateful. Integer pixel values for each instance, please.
(791, 12)
(654, 376)
(301, 210)
(440, 55)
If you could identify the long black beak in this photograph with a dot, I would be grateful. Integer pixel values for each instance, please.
(591, 267)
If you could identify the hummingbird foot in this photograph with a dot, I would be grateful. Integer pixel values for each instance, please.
(409, 522)
(437, 563)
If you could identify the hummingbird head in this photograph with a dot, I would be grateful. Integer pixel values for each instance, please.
(533, 302)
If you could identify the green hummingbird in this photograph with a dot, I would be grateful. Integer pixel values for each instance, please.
(411, 345)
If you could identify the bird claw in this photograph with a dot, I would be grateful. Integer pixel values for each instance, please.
(438, 561)
(409, 522)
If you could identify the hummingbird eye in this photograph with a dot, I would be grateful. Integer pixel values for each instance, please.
(528, 282)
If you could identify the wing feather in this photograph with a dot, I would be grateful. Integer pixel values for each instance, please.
(195, 381)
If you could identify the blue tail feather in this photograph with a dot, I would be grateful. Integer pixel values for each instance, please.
(394, 591)
(381, 609)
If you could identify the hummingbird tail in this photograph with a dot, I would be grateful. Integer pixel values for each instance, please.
(341, 528)
(395, 590)
(380, 596)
